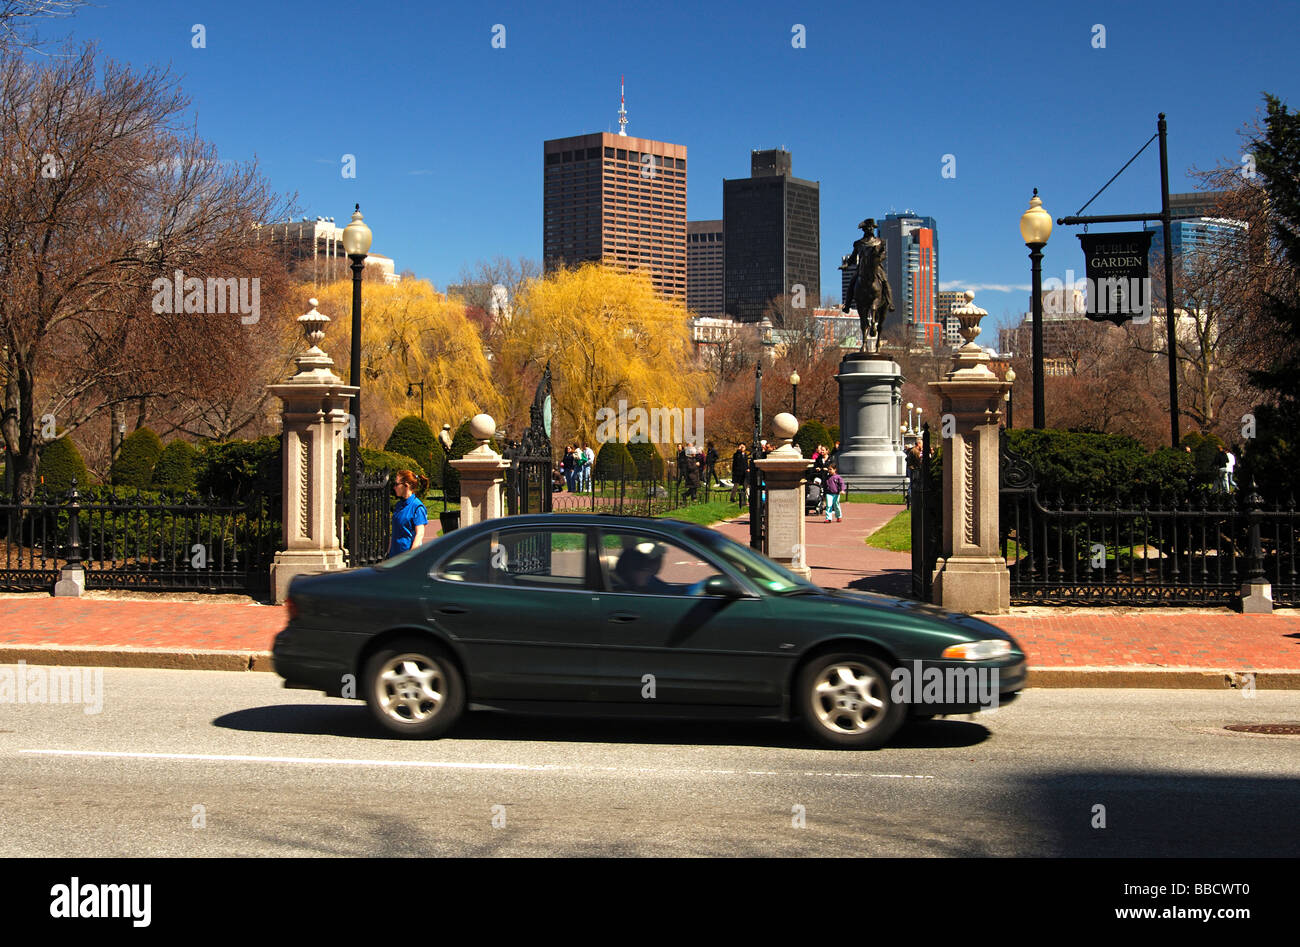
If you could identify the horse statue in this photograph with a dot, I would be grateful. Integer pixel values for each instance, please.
(869, 290)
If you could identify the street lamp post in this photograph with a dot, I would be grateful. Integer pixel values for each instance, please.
(1011, 402)
(794, 393)
(356, 244)
(410, 391)
(1035, 228)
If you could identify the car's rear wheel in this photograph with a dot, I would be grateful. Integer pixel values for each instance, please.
(844, 701)
(413, 689)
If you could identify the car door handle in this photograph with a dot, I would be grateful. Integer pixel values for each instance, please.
(453, 610)
(624, 617)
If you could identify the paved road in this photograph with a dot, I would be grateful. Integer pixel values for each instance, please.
(291, 773)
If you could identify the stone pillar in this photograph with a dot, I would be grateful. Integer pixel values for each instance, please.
(870, 455)
(971, 573)
(315, 419)
(784, 471)
(482, 475)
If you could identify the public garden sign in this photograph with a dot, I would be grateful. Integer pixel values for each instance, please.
(1118, 288)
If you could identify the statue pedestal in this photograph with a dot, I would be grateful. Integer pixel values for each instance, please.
(871, 453)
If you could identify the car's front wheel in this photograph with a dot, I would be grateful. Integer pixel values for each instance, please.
(413, 689)
(844, 701)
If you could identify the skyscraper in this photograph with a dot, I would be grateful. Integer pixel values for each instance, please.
(619, 200)
(772, 237)
(704, 265)
(912, 254)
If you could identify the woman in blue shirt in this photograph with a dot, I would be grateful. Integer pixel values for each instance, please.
(409, 516)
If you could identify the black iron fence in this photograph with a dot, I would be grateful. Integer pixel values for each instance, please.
(925, 500)
(138, 540)
(1148, 550)
(629, 494)
(375, 501)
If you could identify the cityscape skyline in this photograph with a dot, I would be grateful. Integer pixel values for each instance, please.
(444, 127)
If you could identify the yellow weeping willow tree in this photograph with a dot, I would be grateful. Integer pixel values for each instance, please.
(409, 333)
(607, 336)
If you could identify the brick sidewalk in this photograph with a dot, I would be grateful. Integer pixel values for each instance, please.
(1214, 639)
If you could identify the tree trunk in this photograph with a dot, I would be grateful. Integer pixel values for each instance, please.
(116, 425)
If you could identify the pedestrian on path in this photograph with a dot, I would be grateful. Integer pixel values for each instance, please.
(834, 487)
(739, 471)
(410, 515)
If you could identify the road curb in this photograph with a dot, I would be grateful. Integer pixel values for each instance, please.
(1113, 677)
(178, 659)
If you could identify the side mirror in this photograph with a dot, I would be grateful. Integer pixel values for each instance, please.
(722, 586)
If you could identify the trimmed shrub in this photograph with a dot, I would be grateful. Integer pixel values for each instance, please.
(59, 463)
(461, 444)
(1205, 447)
(614, 462)
(810, 434)
(136, 459)
(1101, 466)
(414, 438)
(175, 468)
(233, 470)
(649, 462)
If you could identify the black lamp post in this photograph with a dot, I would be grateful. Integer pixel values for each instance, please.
(356, 244)
(794, 393)
(755, 498)
(1035, 228)
(410, 390)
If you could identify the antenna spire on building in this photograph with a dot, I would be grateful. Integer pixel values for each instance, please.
(622, 111)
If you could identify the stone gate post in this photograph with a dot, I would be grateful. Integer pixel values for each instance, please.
(971, 573)
(784, 471)
(315, 419)
(482, 474)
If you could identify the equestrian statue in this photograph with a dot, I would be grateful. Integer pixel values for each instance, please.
(869, 288)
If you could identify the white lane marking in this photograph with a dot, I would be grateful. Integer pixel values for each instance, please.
(441, 764)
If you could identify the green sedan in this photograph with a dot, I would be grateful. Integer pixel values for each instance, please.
(613, 615)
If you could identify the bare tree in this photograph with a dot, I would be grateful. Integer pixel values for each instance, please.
(107, 193)
(17, 16)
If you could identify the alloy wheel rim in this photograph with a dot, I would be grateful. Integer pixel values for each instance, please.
(849, 698)
(411, 688)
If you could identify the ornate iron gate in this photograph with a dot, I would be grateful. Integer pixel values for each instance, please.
(927, 520)
(528, 483)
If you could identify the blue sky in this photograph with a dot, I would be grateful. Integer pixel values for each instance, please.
(447, 131)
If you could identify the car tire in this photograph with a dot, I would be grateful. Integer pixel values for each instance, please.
(844, 701)
(413, 689)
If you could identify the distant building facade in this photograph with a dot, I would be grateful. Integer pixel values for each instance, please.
(619, 200)
(772, 237)
(313, 249)
(705, 263)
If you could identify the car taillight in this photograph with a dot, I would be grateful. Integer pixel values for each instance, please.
(292, 606)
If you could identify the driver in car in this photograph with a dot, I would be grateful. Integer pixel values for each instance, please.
(638, 569)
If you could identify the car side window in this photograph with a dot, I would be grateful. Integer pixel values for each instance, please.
(538, 558)
(644, 564)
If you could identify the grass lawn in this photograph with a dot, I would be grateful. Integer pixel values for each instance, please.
(896, 535)
(857, 496)
(706, 513)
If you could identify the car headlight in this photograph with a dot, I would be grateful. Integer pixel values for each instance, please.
(985, 650)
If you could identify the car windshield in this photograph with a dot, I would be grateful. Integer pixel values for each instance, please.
(759, 569)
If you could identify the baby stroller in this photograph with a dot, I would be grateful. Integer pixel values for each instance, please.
(814, 500)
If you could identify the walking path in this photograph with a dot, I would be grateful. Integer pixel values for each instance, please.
(1066, 647)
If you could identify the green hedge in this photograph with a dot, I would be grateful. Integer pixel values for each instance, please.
(234, 469)
(59, 463)
(1101, 467)
(136, 459)
(810, 434)
(175, 468)
(649, 462)
(614, 462)
(414, 438)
